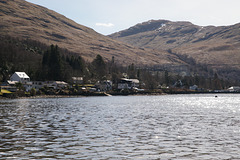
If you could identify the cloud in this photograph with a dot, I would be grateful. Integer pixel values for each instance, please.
(105, 24)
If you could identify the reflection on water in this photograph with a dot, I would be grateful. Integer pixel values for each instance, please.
(133, 127)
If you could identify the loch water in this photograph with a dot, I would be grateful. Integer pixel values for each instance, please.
(200, 126)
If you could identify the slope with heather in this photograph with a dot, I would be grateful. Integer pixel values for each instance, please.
(212, 48)
(207, 45)
(24, 20)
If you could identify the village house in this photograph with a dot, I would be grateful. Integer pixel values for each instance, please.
(77, 80)
(194, 87)
(27, 86)
(56, 84)
(20, 77)
(234, 89)
(125, 83)
(178, 84)
(37, 85)
(24, 79)
(10, 83)
(51, 84)
(104, 85)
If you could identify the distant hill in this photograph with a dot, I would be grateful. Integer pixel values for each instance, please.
(24, 20)
(179, 46)
(215, 47)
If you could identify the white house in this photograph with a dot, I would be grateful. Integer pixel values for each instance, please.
(234, 89)
(128, 83)
(194, 87)
(178, 84)
(21, 77)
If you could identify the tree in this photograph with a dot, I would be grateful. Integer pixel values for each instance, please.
(52, 64)
(20, 86)
(149, 80)
(131, 71)
(33, 92)
(166, 78)
(99, 67)
(217, 83)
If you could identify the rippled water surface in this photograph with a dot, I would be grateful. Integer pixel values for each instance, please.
(132, 127)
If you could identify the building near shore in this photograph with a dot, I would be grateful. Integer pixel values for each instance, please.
(194, 87)
(125, 83)
(77, 80)
(104, 86)
(234, 89)
(56, 84)
(24, 79)
(20, 77)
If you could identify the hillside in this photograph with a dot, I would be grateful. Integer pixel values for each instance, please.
(212, 46)
(24, 20)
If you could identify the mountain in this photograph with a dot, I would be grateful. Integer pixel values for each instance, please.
(24, 20)
(217, 47)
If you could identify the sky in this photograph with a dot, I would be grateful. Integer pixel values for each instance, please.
(109, 16)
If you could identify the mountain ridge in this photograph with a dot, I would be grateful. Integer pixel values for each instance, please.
(21, 19)
(185, 38)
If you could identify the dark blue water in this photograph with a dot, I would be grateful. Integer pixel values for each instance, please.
(131, 127)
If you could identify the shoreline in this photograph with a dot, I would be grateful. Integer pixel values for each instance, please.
(103, 94)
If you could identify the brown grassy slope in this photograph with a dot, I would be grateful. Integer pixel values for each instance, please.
(22, 19)
(207, 45)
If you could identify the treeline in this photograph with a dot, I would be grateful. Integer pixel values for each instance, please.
(42, 62)
(19, 55)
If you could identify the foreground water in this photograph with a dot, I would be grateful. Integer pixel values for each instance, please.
(132, 127)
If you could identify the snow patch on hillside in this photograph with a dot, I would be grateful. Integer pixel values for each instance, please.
(161, 27)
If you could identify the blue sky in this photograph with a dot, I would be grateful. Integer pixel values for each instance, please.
(109, 16)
